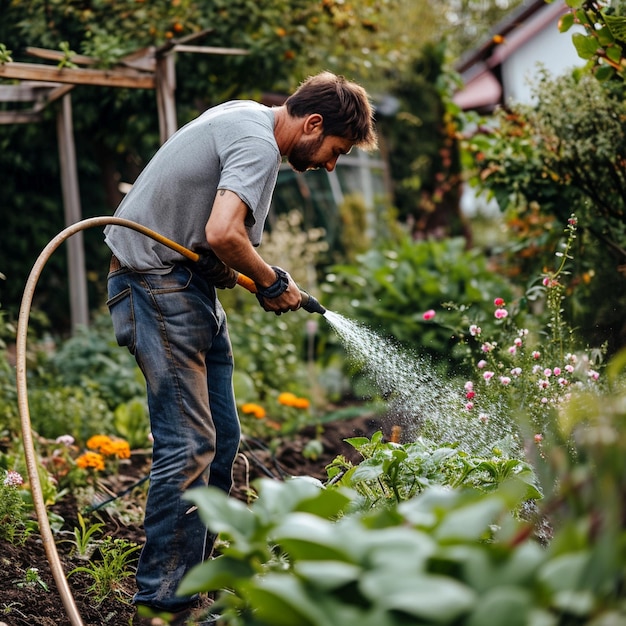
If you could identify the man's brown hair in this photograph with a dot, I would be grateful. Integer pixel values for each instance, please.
(344, 105)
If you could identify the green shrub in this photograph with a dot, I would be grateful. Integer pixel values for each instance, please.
(92, 358)
(392, 286)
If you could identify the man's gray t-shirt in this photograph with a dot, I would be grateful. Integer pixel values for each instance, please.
(231, 146)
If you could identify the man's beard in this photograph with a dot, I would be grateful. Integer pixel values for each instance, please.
(301, 156)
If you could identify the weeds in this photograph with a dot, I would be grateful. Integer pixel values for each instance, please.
(115, 564)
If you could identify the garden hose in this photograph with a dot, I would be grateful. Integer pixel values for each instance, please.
(308, 303)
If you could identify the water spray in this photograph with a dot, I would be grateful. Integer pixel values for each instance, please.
(309, 304)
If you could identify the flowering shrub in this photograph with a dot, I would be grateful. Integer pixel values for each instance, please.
(15, 523)
(522, 370)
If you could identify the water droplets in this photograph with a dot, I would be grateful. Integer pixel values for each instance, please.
(418, 398)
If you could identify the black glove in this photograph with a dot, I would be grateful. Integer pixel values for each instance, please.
(215, 272)
(277, 288)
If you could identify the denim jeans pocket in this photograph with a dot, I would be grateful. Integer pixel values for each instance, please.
(121, 309)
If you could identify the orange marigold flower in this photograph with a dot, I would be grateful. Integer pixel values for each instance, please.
(301, 403)
(253, 409)
(97, 442)
(90, 460)
(287, 398)
(121, 449)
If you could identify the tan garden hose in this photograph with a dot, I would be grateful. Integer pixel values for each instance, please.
(308, 303)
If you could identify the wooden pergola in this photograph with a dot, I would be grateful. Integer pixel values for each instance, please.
(42, 84)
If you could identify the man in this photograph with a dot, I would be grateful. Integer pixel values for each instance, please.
(209, 188)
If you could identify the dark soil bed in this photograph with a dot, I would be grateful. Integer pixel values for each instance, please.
(31, 604)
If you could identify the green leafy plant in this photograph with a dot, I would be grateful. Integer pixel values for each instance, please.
(5, 54)
(110, 567)
(31, 580)
(308, 555)
(603, 40)
(84, 537)
(392, 471)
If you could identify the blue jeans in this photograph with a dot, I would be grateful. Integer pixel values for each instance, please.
(175, 327)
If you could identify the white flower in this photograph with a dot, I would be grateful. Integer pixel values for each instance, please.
(66, 440)
(13, 479)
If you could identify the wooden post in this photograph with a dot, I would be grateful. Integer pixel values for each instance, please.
(79, 308)
(166, 99)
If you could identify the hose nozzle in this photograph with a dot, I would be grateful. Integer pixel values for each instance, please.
(310, 304)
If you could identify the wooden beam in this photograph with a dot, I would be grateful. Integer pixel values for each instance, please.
(19, 117)
(102, 78)
(56, 55)
(210, 50)
(25, 92)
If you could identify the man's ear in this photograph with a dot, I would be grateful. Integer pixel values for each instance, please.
(313, 124)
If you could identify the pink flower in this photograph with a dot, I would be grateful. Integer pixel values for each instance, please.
(547, 372)
(470, 394)
(475, 330)
(469, 406)
(516, 371)
(481, 364)
(563, 382)
(517, 342)
(536, 355)
(544, 400)
(593, 374)
(550, 282)
(13, 479)
(469, 386)
(512, 350)
(538, 438)
(500, 314)
(557, 371)
(505, 380)
(499, 302)
(487, 347)
(544, 384)
(488, 376)
(428, 315)
(569, 369)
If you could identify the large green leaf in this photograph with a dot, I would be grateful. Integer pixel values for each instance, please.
(437, 599)
(586, 47)
(308, 537)
(327, 575)
(469, 522)
(502, 606)
(214, 574)
(281, 600)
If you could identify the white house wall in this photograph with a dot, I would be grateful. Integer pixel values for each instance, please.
(550, 48)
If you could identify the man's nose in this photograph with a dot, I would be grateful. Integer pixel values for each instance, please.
(330, 164)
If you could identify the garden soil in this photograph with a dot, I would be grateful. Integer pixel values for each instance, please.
(38, 603)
